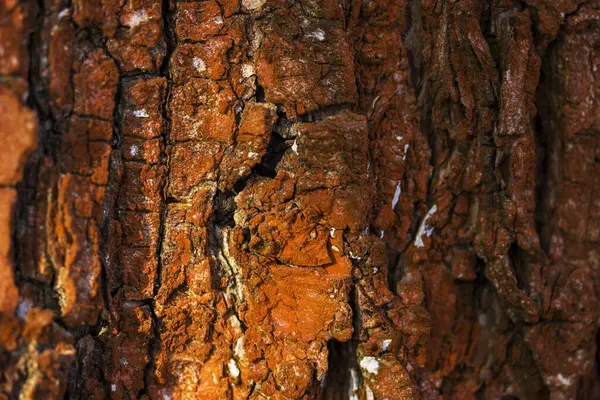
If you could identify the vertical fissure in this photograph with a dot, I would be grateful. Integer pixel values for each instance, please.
(26, 188)
(548, 153)
(170, 43)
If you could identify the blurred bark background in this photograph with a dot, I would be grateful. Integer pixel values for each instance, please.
(299, 199)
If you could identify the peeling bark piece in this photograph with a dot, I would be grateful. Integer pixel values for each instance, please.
(48, 358)
(127, 344)
(17, 19)
(83, 155)
(207, 123)
(139, 45)
(184, 246)
(306, 302)
(8, 198)
(200, 61)
(59, 34)
(88, 379)
(18, 136)
(143, 98)
(139, 229)
(10, 298)
(147, 151)
(139, 271)
(140, 188)
(75, 254)
(100, 13)
(198, 22)
(95, 85)
(142, 109)
(297, 64)
(192, 163)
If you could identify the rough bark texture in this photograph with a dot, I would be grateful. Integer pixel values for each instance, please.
(324, 199)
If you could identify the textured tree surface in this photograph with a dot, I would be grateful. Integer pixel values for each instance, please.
(299, 199)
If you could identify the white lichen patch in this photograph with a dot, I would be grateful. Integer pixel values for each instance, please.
(405, 152)
(141, 113)
(14, 62)
(295, 130)
(247, 70)
(64, 13)
(295, 147)
(232, 267)
(239, 348)
(332, 232)
(133, 150)
(253, 5)
(257, 38)
(335, 248)
(565, 381)
(233, 368)
(234, 322)
(370, 395)
(113, 387)
(136, 18)
(354, 386)
(425, 229)
(24, 308)
(396, 195)
(386, 344)
(199, 64)
(375, 100)
(218, 20)
(252, 154)
(370, 364)
(318, 35)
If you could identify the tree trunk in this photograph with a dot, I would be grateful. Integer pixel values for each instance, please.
(322, 199)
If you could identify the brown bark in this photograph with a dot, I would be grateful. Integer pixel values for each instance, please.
(276, 199)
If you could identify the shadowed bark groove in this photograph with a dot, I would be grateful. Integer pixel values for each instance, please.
(324, 199)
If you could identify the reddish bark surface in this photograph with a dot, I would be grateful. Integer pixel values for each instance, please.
(321, 199)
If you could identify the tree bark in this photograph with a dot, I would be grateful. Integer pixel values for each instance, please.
(324, 199)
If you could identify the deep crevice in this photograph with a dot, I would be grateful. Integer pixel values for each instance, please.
(26, 189)
(324, 112)
(546, 143)
(170, 44)
(337, 383)
(346, 376)
(225, 207)
(275, 151)
(276, 148)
